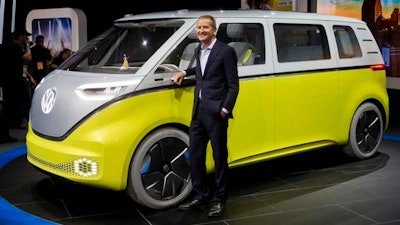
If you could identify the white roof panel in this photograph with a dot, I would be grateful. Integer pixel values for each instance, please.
(242, 13)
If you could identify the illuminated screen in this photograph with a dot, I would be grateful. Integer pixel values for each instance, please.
(352, 8)
(383, 20)
(61, 27)
(57, 33)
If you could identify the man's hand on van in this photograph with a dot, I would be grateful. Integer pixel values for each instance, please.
(178, 78)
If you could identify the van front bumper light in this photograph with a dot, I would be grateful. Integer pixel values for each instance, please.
(85, 167)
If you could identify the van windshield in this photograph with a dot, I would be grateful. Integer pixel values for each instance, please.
(122, 49)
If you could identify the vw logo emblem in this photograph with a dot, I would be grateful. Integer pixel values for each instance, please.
(48, 100)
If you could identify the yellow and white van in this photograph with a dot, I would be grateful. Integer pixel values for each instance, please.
(111, 117)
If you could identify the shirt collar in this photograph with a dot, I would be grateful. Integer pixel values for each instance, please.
(210, 46)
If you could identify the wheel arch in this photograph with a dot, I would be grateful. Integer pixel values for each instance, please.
(362, 142)
(349, 113)
(128, 176)
(179, 126)
(382, 109)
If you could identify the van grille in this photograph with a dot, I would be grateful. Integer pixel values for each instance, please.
(70, 169)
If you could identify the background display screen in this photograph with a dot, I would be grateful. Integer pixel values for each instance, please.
(57, 33)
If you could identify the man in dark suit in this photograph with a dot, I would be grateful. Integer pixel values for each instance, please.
(216, 91)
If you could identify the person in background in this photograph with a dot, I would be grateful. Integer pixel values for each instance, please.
(216, 91)
(259, 4)
(253, 4)
(265, 5)
(29, 85)
(13, 56)
(41, 58)
(60, 58)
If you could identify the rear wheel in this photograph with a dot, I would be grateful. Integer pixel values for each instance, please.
(366, 132)
(159, 175)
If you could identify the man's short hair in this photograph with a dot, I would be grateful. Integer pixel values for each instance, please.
(39, 38)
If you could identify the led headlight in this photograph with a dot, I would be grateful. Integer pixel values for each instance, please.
(104, 91)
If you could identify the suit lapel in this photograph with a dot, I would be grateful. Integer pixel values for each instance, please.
(212, 56)
(197, 54)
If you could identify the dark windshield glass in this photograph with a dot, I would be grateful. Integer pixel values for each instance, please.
(121, 49)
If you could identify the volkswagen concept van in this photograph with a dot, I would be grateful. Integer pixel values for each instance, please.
(110, 116)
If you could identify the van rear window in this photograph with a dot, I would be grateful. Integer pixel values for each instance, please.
(346, 41)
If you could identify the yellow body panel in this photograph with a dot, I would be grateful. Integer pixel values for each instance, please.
(356, 86)
(273, 117)
(111, 136)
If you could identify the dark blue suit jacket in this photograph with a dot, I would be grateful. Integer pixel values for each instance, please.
(220, 84)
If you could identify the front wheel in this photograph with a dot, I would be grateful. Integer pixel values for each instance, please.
(159, 175)
(366, 131)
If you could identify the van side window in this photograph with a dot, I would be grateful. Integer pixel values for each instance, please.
(247, 39)
(346, 40)
(301, 42)
(182, 57)
(187, 58)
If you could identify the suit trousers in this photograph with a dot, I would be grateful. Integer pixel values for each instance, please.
(206, 126)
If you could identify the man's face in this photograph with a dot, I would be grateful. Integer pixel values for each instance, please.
(40, 42)
(204, 30)
(23, 38)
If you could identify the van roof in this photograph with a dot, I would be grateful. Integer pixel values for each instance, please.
(243, 13)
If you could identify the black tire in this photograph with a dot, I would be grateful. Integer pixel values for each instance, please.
(366, 131)
(159, 175)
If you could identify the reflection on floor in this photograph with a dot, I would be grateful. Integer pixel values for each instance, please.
(319, 187)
